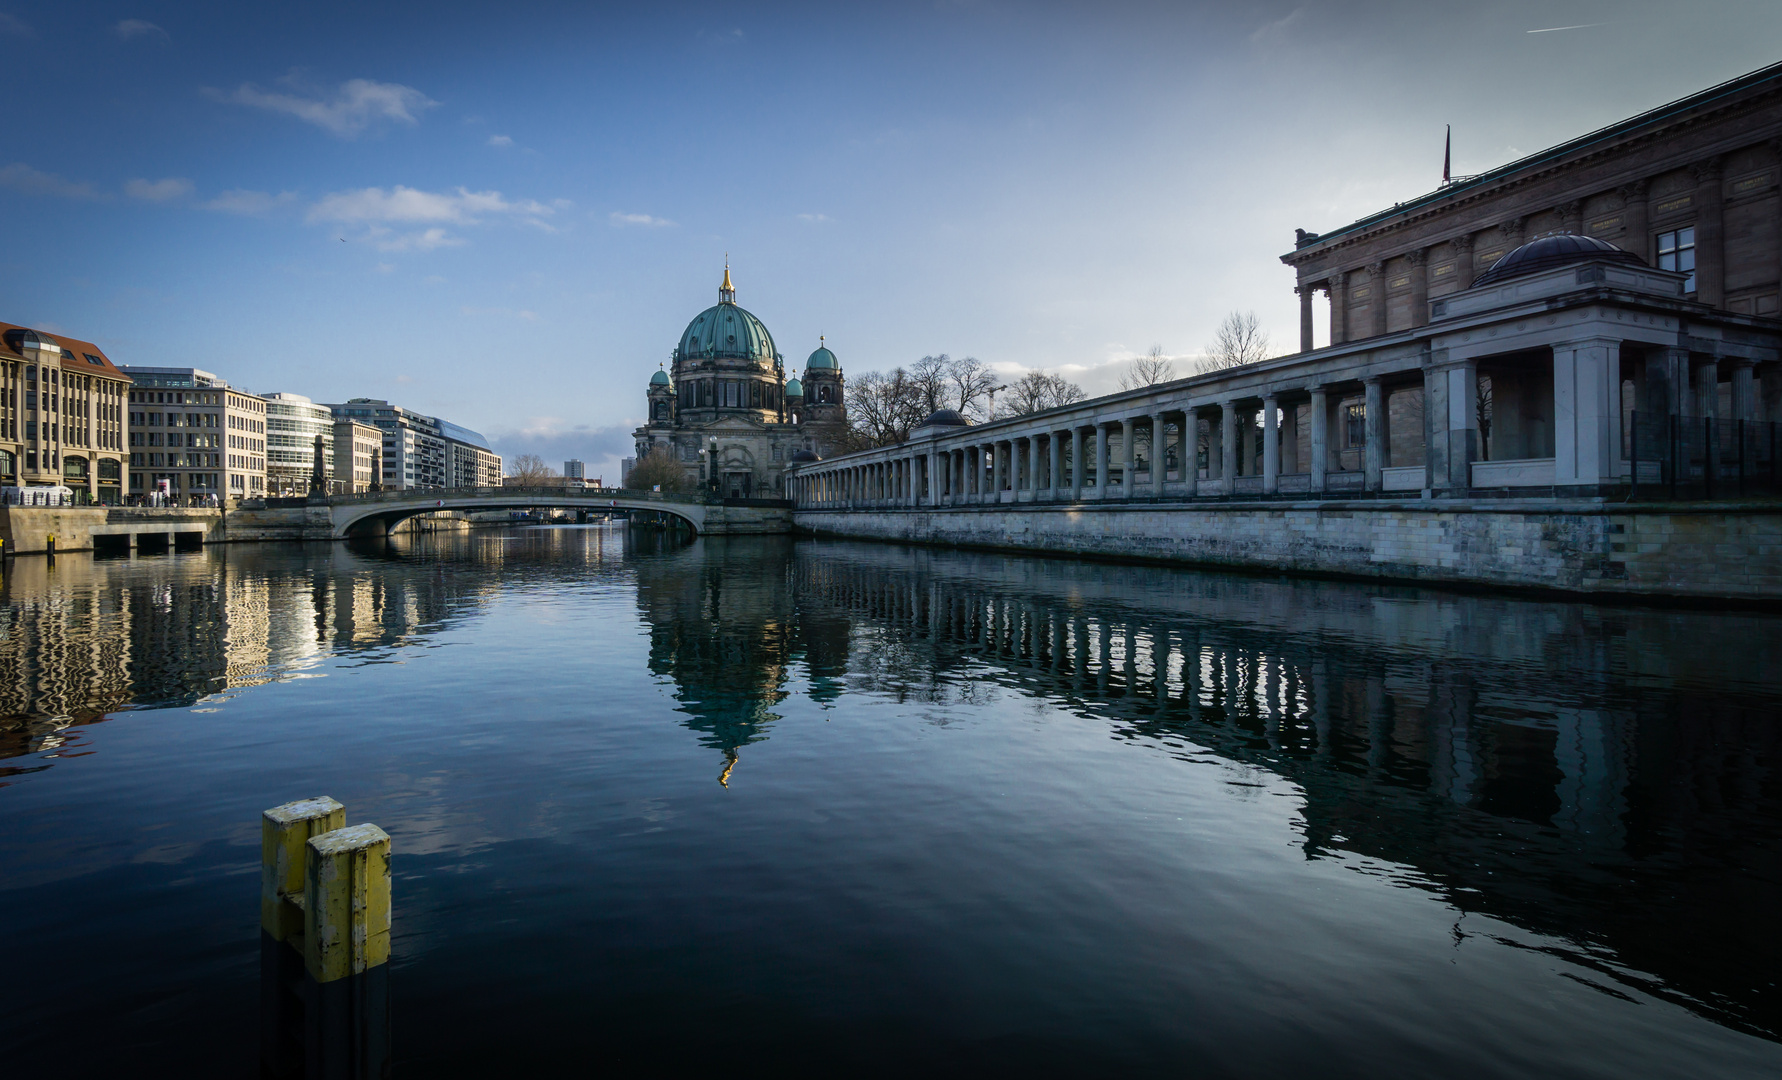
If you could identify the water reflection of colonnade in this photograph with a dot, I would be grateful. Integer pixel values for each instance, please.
(1539, 762)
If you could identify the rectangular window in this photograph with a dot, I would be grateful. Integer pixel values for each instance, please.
(1676, 251)
(1355, 425)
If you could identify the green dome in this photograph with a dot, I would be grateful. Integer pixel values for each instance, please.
(660, 378)
(794, 388)
(726, 332)
(822, 360)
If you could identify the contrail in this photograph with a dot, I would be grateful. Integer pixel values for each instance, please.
(1556, 29)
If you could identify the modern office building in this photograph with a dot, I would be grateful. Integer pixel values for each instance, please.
(421, 451)
(293, 424)
(469, 460)
(576, 469)
(63, 414)
(197, 433)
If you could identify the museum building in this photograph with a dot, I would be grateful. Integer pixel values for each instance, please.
(728, 413)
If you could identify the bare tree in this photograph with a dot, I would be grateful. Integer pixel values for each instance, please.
(930, 383)
(972, 380)
(529, 469)
(1037, 391)
(1148, 370)
(882, 408)
(1239, 340)
(658, 468)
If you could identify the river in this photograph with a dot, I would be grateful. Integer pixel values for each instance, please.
(816, 806)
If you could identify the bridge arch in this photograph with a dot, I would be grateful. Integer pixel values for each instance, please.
(376, 514)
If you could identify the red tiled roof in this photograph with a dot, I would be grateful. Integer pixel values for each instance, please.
(80, 349)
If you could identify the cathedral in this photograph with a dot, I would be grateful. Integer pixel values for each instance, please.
(728, 413)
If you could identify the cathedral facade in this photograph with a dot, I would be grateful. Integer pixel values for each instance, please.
(729, 415)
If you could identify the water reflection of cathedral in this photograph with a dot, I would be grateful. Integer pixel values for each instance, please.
(728, 632)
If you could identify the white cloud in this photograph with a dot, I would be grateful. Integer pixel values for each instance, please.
(425, 240)
(639, 219)
(501, 140)
(167, 190)
(352, 107)
(249, 203)
(813, 218)
(11, 25)
(510, 313)
(21, 177)
(131, 28)
(408, 204)
(1279, 27)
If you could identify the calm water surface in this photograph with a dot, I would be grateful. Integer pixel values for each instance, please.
(810, 806)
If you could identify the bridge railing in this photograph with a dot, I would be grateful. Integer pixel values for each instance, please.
(506, 493)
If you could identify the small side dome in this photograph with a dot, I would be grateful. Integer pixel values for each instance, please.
(660, 378)
(804, 455)
(822, 360)
(945, 418)
(794, 388)
(1547, 252)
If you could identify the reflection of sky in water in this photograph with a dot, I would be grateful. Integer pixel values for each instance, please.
(1128, 818)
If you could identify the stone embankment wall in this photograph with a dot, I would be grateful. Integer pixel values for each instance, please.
(1703, 551)
(747, 520)
(28, 528)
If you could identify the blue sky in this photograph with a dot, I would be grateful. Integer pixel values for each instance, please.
(505, 214)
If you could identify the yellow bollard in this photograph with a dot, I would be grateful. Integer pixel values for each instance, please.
(346, 901)
(284, 830)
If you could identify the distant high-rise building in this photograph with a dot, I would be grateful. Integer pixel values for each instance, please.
(625, 467)
(575, 469)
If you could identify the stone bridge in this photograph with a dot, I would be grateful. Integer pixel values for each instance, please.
(375, 513)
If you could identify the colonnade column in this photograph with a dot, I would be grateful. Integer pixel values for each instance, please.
(1076, 464)
(1101, 460)
(1033, 465)
(1159, 454)
(1228, 444)
(1374, 449)
(1744, 386)
(1320, 437)
(1054, 459)
(996, 471)
(1271, 445)
(1128, 458)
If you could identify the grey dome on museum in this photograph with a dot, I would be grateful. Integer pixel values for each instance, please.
(1548, 252)
(945, 418)
(805, 455)
(725, 331)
